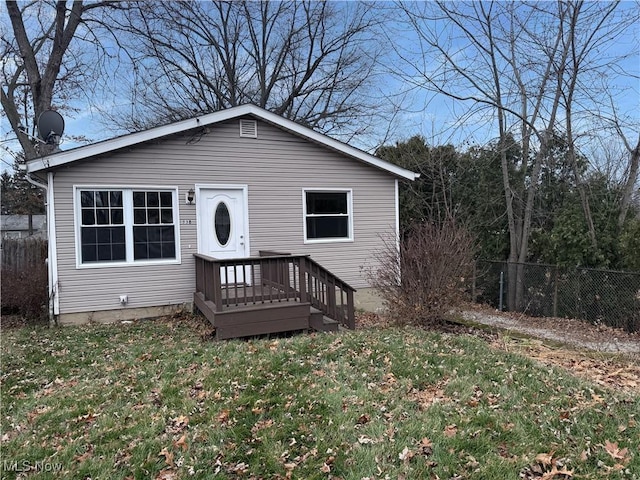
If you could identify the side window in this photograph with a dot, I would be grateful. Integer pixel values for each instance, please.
(327, 215)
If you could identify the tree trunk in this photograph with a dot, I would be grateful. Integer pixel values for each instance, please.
(627, 192)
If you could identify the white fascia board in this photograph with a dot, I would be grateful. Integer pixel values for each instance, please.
(62, 158)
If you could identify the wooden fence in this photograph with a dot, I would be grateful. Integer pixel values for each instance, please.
(24, 278)
(22, 254)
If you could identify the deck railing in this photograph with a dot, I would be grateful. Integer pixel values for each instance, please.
(274, 277)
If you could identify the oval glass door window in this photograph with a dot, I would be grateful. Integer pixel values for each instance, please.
(222, 223)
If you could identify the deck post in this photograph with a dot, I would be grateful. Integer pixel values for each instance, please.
(351, 319)
(331, 296)
(199, 275)
(217, 285)
(207, 287)
(302, 273)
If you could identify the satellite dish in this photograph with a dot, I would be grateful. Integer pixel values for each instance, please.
(50, 126)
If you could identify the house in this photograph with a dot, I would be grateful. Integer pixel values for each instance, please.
(238, 210)
(22, 226)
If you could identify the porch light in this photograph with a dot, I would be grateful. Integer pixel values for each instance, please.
(190, 196)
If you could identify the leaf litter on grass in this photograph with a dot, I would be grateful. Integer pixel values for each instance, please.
(380, 403)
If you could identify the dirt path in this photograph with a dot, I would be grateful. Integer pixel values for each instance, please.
(571, 332)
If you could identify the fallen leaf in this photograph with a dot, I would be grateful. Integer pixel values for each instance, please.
(83, 457)
(223, 416)
(425, 447)
(167, 475)
(472, 462)
(178, 424)
(616, 452)
(450, 431)
(545, 459)
(182, 420)
(168, 456)
(364, 440)
(406, 454)
(181, 443)
(364, 418)
(554, 472)
(261, 424)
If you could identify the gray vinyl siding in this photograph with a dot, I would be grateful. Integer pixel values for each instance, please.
(276, 167)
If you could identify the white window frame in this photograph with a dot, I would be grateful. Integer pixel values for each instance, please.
(127, 203)
(349, 215)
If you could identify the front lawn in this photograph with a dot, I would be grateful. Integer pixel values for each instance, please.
(154, 399)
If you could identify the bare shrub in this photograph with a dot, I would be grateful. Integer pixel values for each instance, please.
(24, 279)
(424, 279)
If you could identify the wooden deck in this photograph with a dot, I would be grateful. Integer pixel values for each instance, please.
(279, 293)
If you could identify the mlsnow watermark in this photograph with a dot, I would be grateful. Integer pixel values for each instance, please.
(30, 466)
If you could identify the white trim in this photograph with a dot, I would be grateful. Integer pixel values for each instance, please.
(222, 186)
(107, 146)
(52, 267)
(127, 203)
(349, 215)
(397, 197)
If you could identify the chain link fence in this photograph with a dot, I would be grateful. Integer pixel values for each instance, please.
(599, 296)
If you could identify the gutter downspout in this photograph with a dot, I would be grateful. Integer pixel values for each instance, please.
(33, 181)
(52, 270)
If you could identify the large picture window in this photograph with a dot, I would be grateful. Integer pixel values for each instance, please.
(327, 215)
(126, 225)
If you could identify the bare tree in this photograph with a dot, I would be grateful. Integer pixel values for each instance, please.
(529, 65)
(309, 61)
(630, 184)
(43, 62)
(617, 154)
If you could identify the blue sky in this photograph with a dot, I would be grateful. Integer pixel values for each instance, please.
(439, 119)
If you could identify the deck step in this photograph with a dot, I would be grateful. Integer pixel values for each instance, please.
(320, 323)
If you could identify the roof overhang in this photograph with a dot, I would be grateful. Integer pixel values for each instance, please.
(65, 157)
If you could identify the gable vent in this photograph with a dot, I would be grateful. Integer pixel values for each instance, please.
(249, 128)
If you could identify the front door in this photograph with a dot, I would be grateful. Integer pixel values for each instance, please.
(222, 229)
